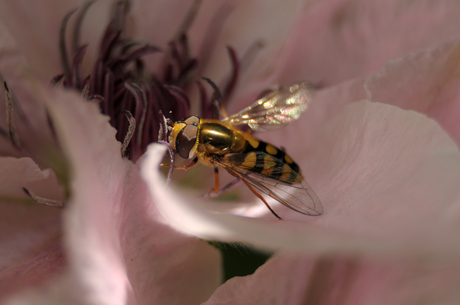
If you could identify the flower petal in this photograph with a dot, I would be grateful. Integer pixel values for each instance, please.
(295, 279)
(114, 242)
(382, 174)
(106, 218)
(29, 114)
(333, 41)
(425, 81)
(116, 247)
(30, 239)
(35, 27)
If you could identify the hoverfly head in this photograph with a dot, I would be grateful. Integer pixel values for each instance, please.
(183, 138)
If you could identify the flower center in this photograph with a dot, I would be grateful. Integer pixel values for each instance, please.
(126, 92)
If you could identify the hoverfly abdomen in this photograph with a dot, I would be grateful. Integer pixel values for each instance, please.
(270, 161)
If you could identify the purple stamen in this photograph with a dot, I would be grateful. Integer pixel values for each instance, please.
(139, 96)
(9, 117)
(206, 107)
(129, 134)
(119, 81)
(231, 83)
(76, 68)
(65, 62)
(77, 28)
(108, 96)
(181, 97)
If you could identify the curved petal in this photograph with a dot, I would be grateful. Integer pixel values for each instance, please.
(295, 279)
(426, 81)
(114, 240)
(30, 234)
(29, 114)
(115, 243)
(35, 27)
(382, 174)
(332, 41)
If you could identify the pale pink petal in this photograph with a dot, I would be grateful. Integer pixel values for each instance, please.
(115, 243)
(30, 116)
(324, 42)
(35, 26)
(238, 24)
(386, 176)
(45, 262)
(291, 279)
(30, 234)
(163, 265)
(333, 41)
(383, 175)
(426, 81)
(115, 204)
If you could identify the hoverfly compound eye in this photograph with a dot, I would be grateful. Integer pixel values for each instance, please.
(192, 120)
(186, 140)
(187, 137)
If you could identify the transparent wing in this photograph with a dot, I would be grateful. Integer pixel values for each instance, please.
(278, 108)
(297, 196)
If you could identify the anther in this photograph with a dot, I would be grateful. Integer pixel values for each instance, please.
(42, 200)
(129, 133)
(9, 117)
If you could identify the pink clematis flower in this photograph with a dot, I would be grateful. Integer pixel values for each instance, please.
(378, 146)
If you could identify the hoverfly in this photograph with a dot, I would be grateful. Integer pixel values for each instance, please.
(263, 167)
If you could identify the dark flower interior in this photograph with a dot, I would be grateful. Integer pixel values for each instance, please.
(136, 99)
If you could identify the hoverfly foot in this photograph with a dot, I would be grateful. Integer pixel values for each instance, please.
(211, 194)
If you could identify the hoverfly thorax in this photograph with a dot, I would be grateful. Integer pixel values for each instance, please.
(184, 136)
(217, 138)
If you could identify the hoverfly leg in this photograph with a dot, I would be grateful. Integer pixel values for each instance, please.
(216, 176)
(183, 168)
(263, 199)
(230, 185)
(188, 166)
(213, 192)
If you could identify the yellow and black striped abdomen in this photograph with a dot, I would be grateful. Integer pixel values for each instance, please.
(270, 161)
